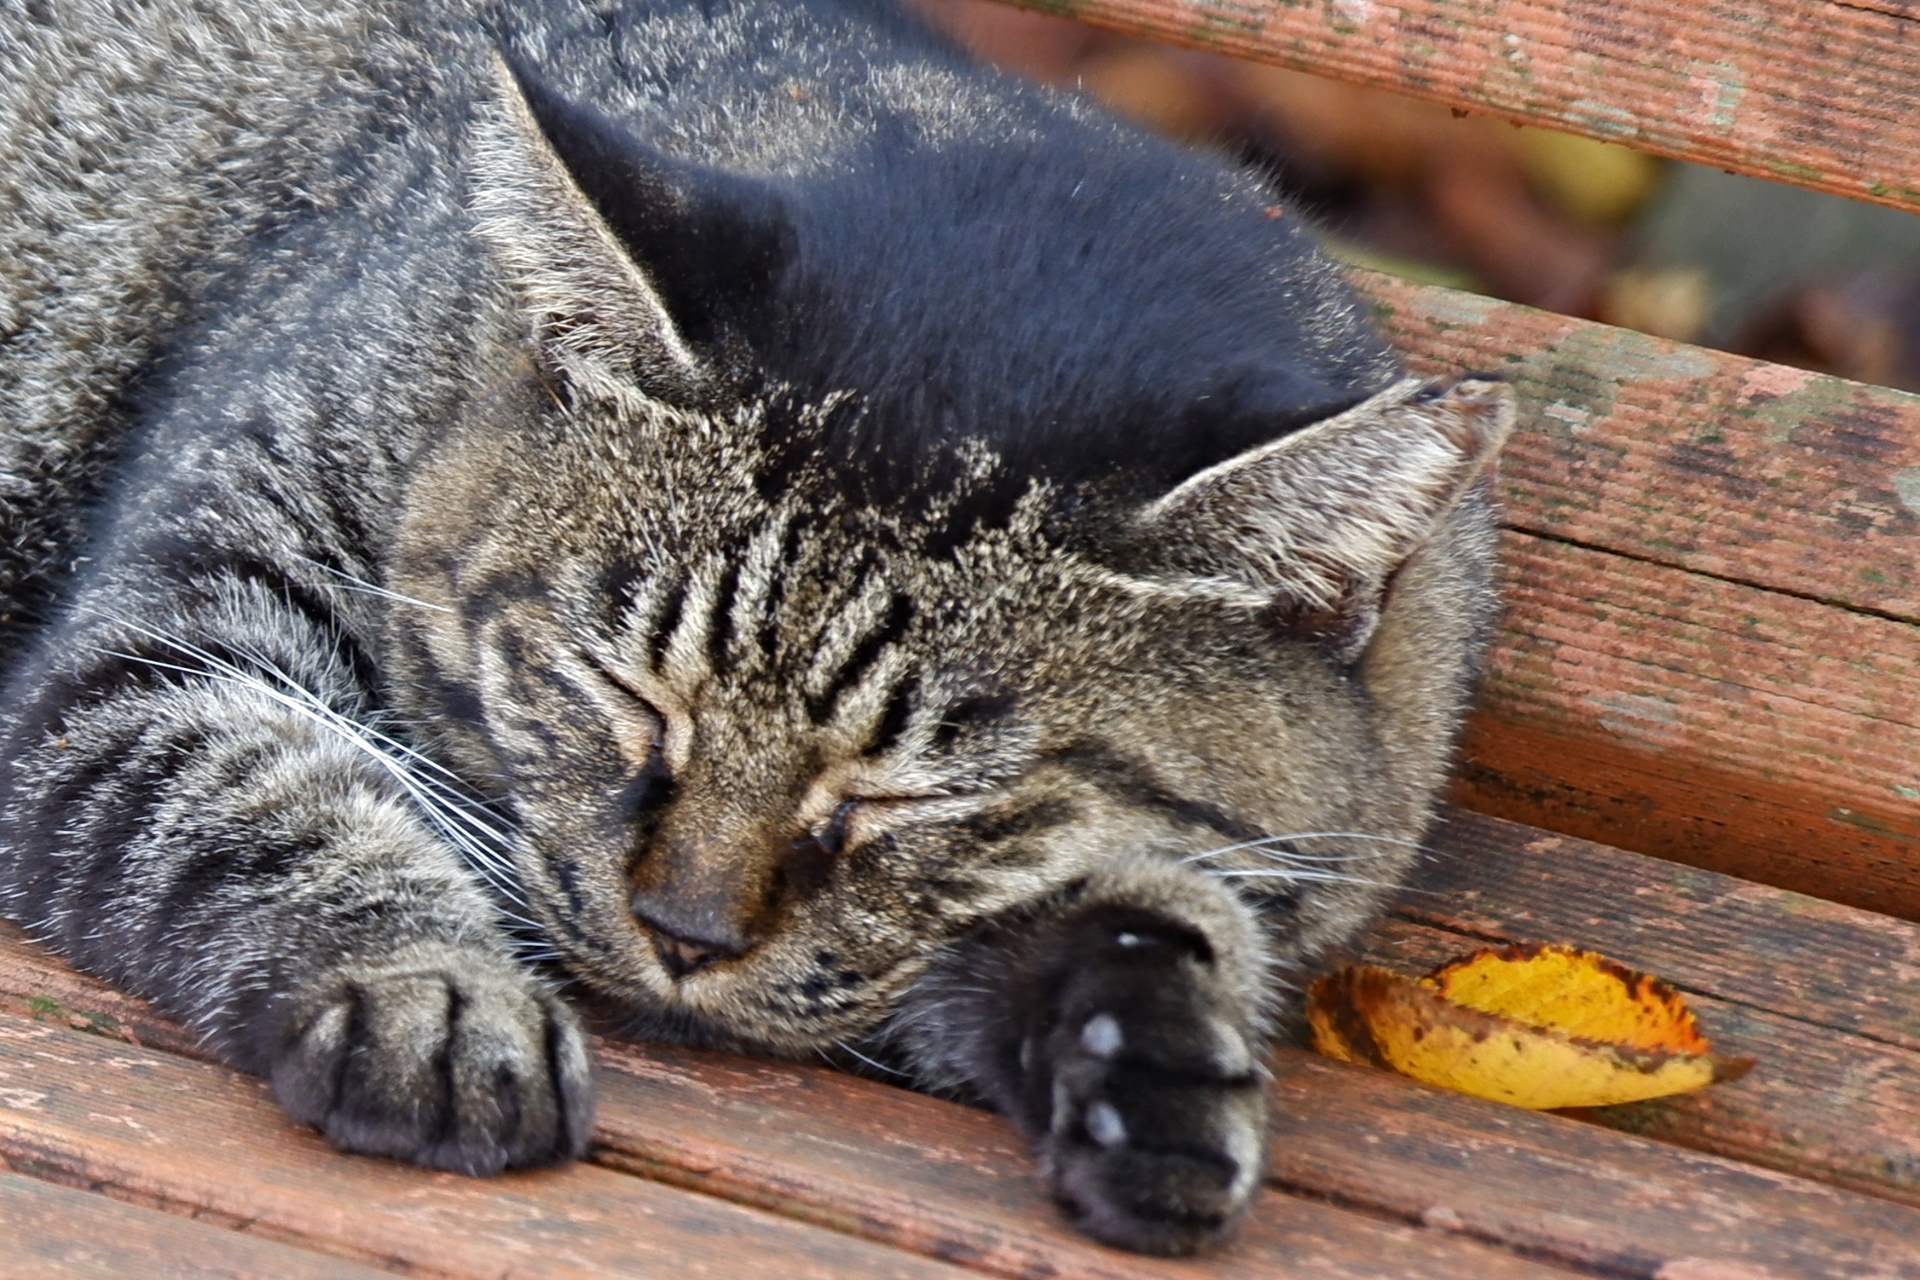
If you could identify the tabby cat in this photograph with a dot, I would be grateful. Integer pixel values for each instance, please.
(720, 509)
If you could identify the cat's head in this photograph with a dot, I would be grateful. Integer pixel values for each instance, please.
(795, 654)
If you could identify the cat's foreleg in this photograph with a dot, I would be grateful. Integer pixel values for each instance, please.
(1122, 1026)
(210, 823)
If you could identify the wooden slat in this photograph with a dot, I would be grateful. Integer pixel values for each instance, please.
(1815, 962)
(1720, 725)
(1753, 472)
(1710, 648)
(1822, 1104)
(1818, 94)
(929, 1176)
(1825, 997)
(188, 1136)
(1573, 1192)
(56, 1233)
(946, 1180)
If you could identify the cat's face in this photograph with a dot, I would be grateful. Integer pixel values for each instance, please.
(765, 756)
(798, 643)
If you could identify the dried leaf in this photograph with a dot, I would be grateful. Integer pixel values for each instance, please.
(1538, 1027)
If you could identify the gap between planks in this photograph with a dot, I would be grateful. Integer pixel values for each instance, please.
(1826, 998)
(952, 1182)
(177, 1132)
(54, 1232)
(1713, 568)
(809, 1144)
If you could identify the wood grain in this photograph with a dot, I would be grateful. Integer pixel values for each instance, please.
(946, 1180)
(56, 1233)
(954, 1183)
(1824, 997)
(1842, 1109)
(1572, 1192)
(1818, 94)
(187, 1136)
(1817, 963)
(854, 1155)
(1750, 732)
(1710, 650)
(1729, 467)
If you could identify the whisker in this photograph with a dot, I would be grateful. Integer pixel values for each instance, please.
(1261, 846)
(877, 1066)
(1304, 877)
(450, 812)
(352, 583)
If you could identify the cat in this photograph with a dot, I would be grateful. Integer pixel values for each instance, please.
(722, 509)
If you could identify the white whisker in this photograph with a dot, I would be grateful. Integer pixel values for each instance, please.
(877, 1066)
(447, 809)
(352, 583)
(1262, 846)
(1303, 877)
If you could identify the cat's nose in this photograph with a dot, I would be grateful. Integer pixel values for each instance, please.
(682, 948)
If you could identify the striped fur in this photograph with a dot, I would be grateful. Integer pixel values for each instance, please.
(511, 500)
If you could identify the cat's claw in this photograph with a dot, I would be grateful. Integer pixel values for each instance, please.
(445, 1056)
(1154, 1122)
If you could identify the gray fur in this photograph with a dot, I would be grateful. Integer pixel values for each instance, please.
(409, 615)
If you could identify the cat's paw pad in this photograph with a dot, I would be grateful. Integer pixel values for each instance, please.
(1155, 1108)
(447, 1057)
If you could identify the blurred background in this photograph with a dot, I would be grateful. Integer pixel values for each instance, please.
(1533, 216)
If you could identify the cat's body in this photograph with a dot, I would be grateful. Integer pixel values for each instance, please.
(784, 515)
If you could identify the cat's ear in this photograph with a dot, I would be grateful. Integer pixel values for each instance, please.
(1314, 525)
(631, 263)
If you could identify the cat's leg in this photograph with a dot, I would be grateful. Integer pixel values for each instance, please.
(1122, 1026)
(191, 809)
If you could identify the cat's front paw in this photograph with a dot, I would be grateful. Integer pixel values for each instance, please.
(1147, 1086)
(445, 1056)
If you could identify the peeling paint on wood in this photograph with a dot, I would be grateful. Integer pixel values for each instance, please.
(1710, 650)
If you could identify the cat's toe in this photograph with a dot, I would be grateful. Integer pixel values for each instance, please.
(1159, 1161)
(447, 1057)
(1156, 1108)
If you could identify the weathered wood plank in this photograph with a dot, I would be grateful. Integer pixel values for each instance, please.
(1750, 732)
(1815, 962)
(946, 1180)
(90, 1111)
(1710, 646)
(53, 1232)
(949, 1181)
(1818, 94)
(1826, 998)
(860, 1157)
(1731, 467)
(1839, 1108)
(1569, 1191)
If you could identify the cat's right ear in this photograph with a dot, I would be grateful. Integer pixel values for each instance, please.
(629, 262)
(1314, 526)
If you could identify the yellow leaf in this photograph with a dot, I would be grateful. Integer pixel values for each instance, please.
(1538, 1027)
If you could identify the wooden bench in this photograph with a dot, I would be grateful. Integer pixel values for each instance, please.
(1710, 655)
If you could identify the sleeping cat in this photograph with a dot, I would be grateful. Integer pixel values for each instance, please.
(720, 509)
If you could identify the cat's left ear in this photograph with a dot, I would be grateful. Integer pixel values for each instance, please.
(629, 261)
(1314, 525)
